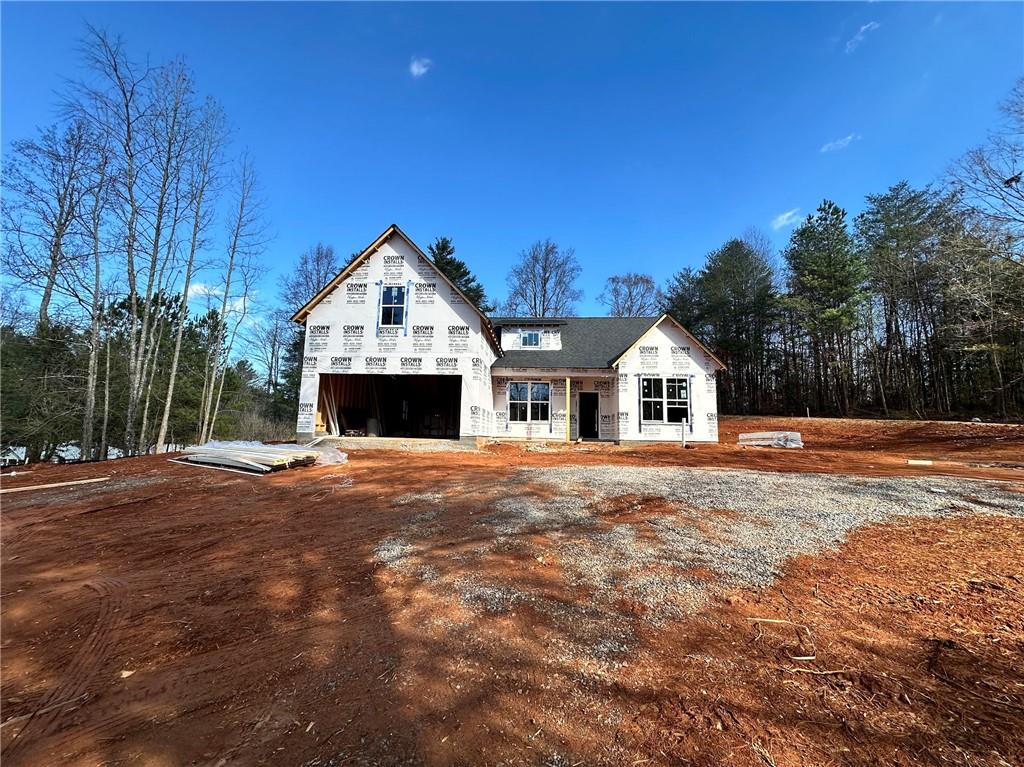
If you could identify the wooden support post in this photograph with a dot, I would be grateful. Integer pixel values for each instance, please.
(568, 410)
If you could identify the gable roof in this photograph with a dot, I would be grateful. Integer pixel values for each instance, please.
(587, 342)
(688, 334)
(392, 231)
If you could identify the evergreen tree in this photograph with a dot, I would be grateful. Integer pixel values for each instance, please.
(827, 276)
(682, 300)
(442, 253)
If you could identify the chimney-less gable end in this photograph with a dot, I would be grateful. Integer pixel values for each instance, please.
(394, 230)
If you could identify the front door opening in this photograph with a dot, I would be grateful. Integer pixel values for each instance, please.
(362, 404)
(590, 412)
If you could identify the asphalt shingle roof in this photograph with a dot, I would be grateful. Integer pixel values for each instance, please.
(587, 342)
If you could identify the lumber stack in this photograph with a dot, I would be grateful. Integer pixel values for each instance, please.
(259, 459)
(771, 439)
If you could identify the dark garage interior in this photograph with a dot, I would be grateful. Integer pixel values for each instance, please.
(362, 404)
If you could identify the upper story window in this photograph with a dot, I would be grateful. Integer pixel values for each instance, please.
(530, 339)
(392, 306)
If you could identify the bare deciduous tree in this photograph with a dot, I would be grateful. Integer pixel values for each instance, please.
(543, 282)
(316, 267)
(246, 239)
(202, 176)
(44, 183)
(631, 295)
(990, 178)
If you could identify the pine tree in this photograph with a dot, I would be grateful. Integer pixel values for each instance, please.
(442, 252)
(827, 276)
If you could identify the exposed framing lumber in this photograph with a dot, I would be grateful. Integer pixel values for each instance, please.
(52, 484)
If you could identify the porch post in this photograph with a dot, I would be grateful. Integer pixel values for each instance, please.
(568, 410)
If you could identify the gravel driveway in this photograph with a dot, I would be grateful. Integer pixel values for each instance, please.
(676, 536)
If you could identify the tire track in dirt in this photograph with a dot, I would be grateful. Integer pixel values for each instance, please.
(112, 594)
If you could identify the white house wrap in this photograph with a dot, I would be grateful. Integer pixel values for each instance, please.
(393, 348)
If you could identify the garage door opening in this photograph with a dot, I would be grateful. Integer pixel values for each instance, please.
(359, 404)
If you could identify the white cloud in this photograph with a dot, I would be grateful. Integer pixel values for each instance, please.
(788, 218)
(854, 42)
(201, 290)
(419, 66)
(840, 143)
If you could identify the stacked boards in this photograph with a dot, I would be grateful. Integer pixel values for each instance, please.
(771, 439)
(258, 459)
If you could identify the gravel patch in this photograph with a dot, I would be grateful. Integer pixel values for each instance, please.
(394, 552)
(487, 597)
(774, 517)
(718, 530)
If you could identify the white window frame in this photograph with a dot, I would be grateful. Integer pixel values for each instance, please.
(529, 401)
(523, 335)
(665, 401)
(403, 306)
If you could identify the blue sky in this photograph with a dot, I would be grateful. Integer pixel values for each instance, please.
(641, 135)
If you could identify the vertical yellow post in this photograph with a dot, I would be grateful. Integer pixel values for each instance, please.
(568, 411)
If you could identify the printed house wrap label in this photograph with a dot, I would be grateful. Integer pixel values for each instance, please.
(648, 357)
(362, 273)
(340, 364)
(680, 357)
(709, 379)
(387, 339)
(478, 369)
(623, 383)
(558, 387)
(352, 337)
(376, 364)
(309, 365)
(307, 416)
(606, 428)
(410, 365)
(458, 338)
(422, 338)
(317, 338)
(394, 267)
(424, 292)
(447, 365)
(603, 386)
(356, 293)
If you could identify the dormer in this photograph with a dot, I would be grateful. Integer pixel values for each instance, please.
(529, 333)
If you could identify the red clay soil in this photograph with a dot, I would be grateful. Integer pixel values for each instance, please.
(175, 615)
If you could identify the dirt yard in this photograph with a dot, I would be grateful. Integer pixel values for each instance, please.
(534, 605)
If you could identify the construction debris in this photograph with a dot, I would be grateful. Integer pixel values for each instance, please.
(53, 484)
(256, 457)
(771, 439)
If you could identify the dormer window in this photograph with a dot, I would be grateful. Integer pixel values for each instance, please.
(530, 339)
(392, 306)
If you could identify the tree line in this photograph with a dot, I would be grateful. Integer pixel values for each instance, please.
(912, 308)
(110, 216)
(133, 231)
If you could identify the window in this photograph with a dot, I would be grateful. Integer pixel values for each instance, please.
(652, 405)
(392, 306)
(665, 399)
(677, 400)
(529, 401)
(530, 339)
(518, 401)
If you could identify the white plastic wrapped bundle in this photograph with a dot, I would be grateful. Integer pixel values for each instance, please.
(772, 439)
